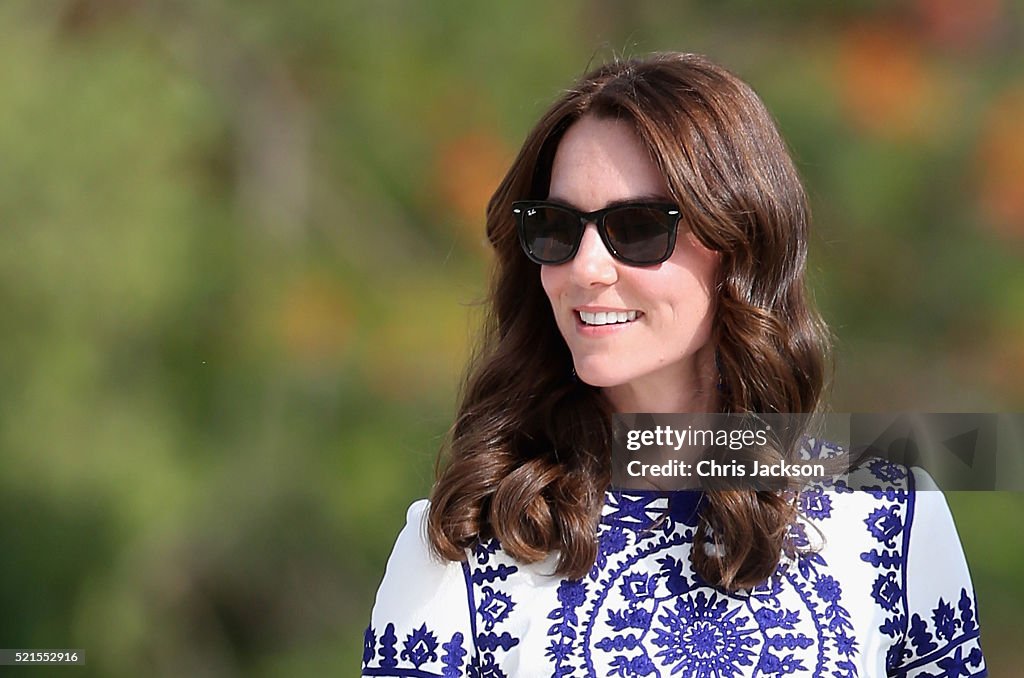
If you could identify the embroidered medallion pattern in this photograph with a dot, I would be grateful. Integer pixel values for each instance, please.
(642, 611)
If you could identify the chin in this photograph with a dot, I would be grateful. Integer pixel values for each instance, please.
(597, 382)
(600, 377)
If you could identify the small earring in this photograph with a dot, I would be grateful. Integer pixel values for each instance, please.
(722, 388)
(572, 375)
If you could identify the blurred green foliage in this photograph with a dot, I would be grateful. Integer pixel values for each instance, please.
(241, 245)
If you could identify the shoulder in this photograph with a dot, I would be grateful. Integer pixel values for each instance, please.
(414, 574)
(421, 616)
(942, 611)
(888, 506)
(891, 534)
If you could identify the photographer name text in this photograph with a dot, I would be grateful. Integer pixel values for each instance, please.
(708, 468)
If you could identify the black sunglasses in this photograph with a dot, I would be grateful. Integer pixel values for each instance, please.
(636, 233)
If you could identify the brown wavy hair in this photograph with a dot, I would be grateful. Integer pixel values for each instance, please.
(527, 459)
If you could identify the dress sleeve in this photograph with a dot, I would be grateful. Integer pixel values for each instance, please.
(942, 637)
(421, 622)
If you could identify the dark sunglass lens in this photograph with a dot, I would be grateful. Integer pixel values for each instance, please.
(641, 234)
(550, 233)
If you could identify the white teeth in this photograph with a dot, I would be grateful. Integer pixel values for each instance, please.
(607, 317)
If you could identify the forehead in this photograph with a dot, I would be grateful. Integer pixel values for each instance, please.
(599, 161)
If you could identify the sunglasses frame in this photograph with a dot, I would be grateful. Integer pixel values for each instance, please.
(597, 217)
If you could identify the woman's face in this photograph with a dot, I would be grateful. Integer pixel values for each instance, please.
(662, 361)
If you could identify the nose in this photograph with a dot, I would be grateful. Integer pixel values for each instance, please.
(593, 263)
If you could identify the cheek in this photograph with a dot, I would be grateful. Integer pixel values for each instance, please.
(552, 280)
(690, 290)
(707, 261)
(702, 265)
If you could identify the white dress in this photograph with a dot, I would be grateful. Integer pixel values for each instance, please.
(887, 593)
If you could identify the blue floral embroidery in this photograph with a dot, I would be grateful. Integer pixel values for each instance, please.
(846, 645)
(489, 668)
(917, 644)
(610, 542)
(419, 650)
(887, 592)
(817, 448)
(919, 636)
(885, 524)
(387, 647)
(968, 620)
(887, 471)
(945, 623)
(828, 588)
(631, 511)
(452, 659)
(484, 550)
(637, 587)
(571, 594)
(369, 645)
(816, 504)
(420, 647)
(958, 665)
(640, 665)
(495, 607)
(949, 629)
(641, 610)
(647, 621)
(703, 637)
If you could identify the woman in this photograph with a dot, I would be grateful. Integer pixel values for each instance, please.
(651, 239)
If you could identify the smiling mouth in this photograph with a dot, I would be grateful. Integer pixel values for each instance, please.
(608, 317)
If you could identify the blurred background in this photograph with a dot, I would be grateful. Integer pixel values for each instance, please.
(241, 254)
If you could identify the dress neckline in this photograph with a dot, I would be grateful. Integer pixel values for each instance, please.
(639, 509)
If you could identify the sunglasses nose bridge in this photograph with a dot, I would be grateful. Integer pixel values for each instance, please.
(595, 219)
(588, 218)
(593, 263)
